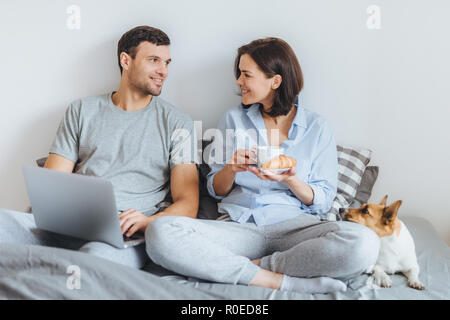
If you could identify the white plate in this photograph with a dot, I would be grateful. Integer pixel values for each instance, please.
(276, 171)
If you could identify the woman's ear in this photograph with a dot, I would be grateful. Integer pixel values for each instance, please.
(276, 82)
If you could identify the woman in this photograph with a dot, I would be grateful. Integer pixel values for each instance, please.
(274, 238)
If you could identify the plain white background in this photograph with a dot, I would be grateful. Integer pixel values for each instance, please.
(384, 89)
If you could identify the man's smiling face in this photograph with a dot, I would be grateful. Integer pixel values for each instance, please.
(149, 68)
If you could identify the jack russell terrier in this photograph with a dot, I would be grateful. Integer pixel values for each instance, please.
(397, 250)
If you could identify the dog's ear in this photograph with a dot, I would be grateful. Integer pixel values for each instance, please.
(390, 212)
(383, 201)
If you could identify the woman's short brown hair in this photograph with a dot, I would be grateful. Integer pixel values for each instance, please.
(274, 56)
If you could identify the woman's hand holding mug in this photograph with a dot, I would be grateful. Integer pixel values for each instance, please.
(242, 160)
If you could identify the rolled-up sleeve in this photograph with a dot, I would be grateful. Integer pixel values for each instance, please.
(210, 185)
(324, 173)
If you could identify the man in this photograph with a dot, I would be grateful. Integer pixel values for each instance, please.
(140, 143)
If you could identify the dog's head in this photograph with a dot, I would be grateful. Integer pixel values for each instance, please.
(380, 218)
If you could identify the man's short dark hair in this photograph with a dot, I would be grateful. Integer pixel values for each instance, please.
(132, 38)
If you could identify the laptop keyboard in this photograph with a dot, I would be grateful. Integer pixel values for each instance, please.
(135, 236)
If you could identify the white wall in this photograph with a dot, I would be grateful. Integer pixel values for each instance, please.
(385, 89)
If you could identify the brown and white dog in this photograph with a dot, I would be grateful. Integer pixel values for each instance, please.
(397, 250)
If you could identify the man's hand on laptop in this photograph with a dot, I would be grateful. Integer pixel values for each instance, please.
(132, 221)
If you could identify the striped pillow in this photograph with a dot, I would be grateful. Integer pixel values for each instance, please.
(352, 162)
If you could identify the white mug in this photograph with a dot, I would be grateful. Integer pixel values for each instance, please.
(267, 153)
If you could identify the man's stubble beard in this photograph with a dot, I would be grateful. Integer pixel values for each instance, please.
(144, 88)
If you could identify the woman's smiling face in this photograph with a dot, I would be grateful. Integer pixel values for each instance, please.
(255, 86)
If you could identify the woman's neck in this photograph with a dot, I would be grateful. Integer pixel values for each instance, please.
(280, 119)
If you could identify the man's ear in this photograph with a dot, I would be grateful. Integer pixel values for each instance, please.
(383, 201)
(125, 60)
(390, 213)
(276, 83)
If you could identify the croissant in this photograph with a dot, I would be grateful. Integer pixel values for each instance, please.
(280, 162)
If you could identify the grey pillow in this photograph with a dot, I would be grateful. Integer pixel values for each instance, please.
(207, 208)
(368, 181)
(208, 205)
(40, 162)
(352, 163)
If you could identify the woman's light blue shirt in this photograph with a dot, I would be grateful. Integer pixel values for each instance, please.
(310, 141)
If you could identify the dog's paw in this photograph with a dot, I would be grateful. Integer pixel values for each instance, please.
(383, 281)
(416, 285)
(386, 283)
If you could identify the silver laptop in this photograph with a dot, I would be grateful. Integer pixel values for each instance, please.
(76, 205)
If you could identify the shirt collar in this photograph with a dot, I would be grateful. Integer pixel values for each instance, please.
(300, 116)
(299, 119)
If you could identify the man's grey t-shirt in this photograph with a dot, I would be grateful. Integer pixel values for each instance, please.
(134, 150)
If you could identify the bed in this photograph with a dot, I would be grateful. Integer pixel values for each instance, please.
(37, 272)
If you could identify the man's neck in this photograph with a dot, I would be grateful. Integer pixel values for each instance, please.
(128, 100)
